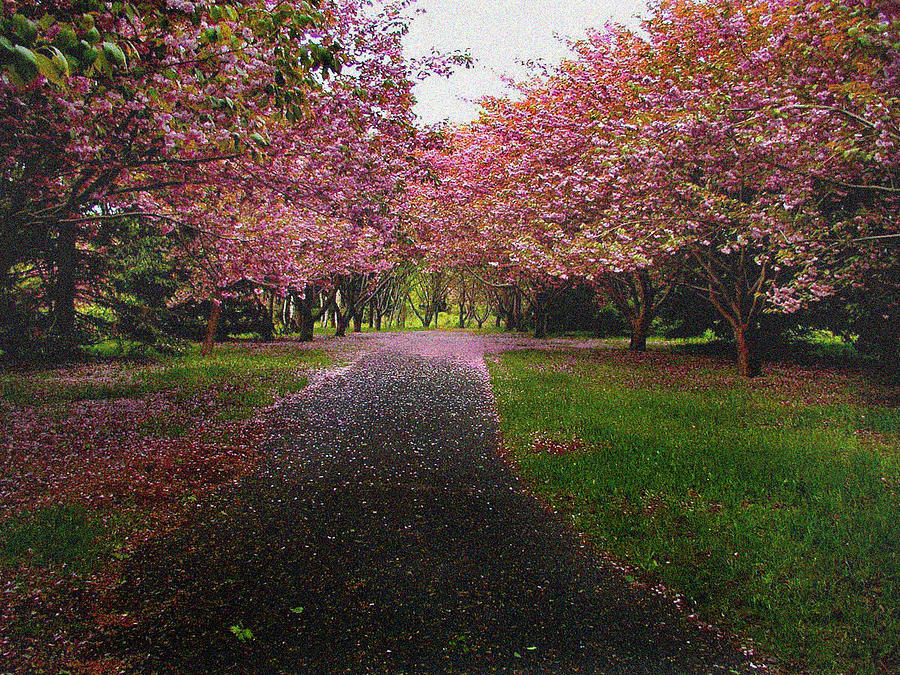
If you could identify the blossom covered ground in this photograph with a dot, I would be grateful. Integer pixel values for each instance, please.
(125, 449)
(139, 455)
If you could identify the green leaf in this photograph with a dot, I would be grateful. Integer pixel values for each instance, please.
(88, 54)
(241, 633)
(92, 36)
(115, 54)
(66, 37)
(24, 29)
(48, 69)
(297, 610)
(26, 56)
(101, 63)
(259, 139)
(59, 60)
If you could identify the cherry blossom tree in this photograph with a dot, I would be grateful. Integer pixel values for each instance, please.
(102, 105)
(232, 126)
(755, 141)
(771, 132)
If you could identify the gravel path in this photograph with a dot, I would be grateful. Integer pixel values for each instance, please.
(385, 535)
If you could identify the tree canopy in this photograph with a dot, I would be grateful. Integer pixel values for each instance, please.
(745, 150)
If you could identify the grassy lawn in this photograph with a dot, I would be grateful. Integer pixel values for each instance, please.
(771, 504)
(97, 457)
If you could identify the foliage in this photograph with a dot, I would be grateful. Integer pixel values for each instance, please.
(286, 174)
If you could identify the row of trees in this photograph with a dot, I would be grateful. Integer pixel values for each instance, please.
(404, 296)
(746, 149)
(160, 159)
(226, 137)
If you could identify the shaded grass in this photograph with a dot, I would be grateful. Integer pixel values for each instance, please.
(63, 535)
(103, 455)
(262, 374)
(773, 507)
(195, 396)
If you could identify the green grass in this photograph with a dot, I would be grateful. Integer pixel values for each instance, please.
(778, 521)
(262, 375)
(61, 536)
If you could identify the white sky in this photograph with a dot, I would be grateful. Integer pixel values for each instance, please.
(499, 33)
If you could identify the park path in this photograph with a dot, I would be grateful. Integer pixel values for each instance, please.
(386, 535)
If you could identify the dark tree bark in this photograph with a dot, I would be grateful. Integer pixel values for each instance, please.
(540, 310)
(342, 321)
(66, 287)
(212, 326)
(638, 300)
(303, 316)
(747, 350)
(542, 301)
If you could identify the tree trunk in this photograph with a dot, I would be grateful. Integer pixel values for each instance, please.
(286, 308)
(540, 307)
(745, 343)
(304, 317)
(272, 315)
(540, 325)
(212, 326)
(640, 326)
(643, 311)
(65, 289)
(517, 319)
(342, 320)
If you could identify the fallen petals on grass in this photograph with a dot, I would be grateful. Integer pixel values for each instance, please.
(135, 460)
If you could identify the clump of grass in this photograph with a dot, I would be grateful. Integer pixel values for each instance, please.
(60, 536)
(775, 517)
